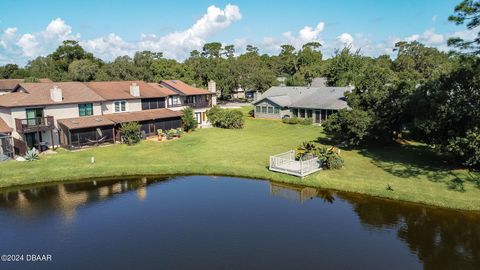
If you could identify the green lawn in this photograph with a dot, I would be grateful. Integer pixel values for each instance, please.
(414, 172)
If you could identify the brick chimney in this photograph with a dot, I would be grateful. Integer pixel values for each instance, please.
(212, 88)
(56, 94)
(135, 90)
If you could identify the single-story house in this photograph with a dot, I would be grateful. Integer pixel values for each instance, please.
(303, 102)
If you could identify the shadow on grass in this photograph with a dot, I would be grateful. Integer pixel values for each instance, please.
(413, 161)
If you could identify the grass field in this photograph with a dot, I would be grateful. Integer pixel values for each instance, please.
(414, 172)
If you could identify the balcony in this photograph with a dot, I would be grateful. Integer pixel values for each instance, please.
(34, 124)
(198, 104)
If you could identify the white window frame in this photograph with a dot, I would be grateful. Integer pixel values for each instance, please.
(120, 106)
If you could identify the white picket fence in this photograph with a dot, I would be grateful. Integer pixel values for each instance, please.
(286, 163)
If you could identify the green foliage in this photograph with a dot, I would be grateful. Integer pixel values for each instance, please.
(82, 70)
(467, 12)
(350, 127)
(214, 115)
(171, 133)
(188, 119)
(291, 120)
(466, 150)
(328, 155)
(222, 118)
(32, 155)
(130, 133)
(306, 121)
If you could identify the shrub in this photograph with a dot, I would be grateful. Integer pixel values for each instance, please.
(291, 120)
(179, 132)
(251, 113)
(189, 121)
(348, 126)
(306, 121)
(466, 150)
(328, 155)
(32, 155)
(171, 133)
(225, 118)
(130, 132)
(214, 114)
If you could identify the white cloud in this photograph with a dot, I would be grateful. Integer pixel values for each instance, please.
(429, 38)
(345, 38)
(43, 42)
(308, 33)
(174, 45)
(108, 47)
(7, 37)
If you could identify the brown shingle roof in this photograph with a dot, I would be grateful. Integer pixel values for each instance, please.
(185, 88)
(10, 84)
(117, 118)
(86, 122)
(4, 128)
(121, 90)
(39, 94)
(142, 115)
(163, 89)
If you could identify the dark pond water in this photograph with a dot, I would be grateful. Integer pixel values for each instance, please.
(201, 222)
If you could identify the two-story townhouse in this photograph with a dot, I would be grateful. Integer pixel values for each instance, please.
(76, 114)
(31, 109)
(182, 95)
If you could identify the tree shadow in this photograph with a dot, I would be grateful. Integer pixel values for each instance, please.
(414, 161)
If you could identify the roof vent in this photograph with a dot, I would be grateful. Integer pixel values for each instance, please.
(56, 94)
(98, 119)
(135, 90)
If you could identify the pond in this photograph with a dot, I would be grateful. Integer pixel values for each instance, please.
(203, 222)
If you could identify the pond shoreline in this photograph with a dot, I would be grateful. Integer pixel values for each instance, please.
(175, 175)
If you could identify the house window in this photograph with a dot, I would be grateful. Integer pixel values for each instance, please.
(264, 109)
(175, 100)
(85, 109)
(270, 109)
(295, 112)
(190, 99)
(302, 113)
(258, 109)
(153, 103)
(277, 110)
(309, 113)
(120, 106)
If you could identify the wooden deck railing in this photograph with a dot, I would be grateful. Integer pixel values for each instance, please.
(34, 124)
(286, 163)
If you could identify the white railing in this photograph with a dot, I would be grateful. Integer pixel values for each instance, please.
(286, 163)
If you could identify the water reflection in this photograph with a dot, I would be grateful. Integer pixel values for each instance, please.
(66, 198)
(441, 239)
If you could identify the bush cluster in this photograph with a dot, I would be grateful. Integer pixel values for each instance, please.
(296, 121)
(188, 119)
(232, 119)
(328, 155)
(130, 132)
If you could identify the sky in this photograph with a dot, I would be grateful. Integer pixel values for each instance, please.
(108, 29)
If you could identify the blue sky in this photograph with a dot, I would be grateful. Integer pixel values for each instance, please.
(112, 28)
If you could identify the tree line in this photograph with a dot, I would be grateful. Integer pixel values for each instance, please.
(422, 94)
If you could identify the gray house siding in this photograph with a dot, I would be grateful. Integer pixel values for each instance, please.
(268, 109)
